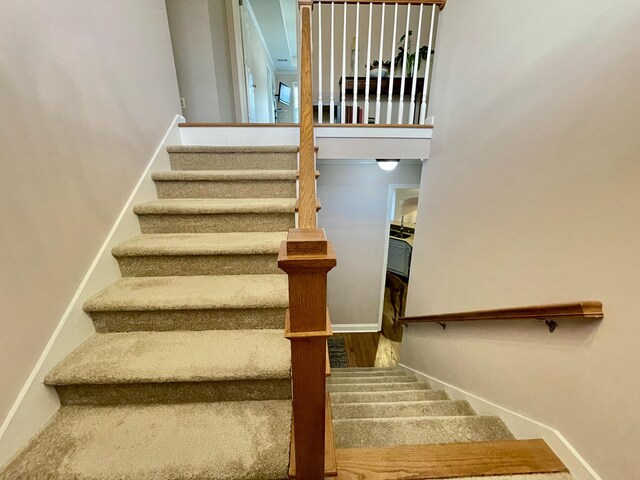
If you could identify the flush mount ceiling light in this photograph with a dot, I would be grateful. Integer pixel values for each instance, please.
(387, 164)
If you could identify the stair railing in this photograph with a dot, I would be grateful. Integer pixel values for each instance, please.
(409, 50)
(306, 256)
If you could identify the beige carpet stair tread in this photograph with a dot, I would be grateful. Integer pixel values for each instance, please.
(223, 175)
(380, 432)
(402, 409)
(232, 149)
(205, 441)
(209, 206)
(371, 379)
(376, 387)
(180, 356)
(393, 396)
(242, 243)
(194, 292)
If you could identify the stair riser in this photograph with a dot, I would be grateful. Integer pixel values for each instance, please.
(377, 387)
(371, 379)
(167, 320)
(365, 433)
(388, 410)
(227, 189)
(184, 392)
(166, 266)
(216, 223)
(234, 161)
(407, 396)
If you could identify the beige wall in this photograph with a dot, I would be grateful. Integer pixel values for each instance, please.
(193, 50)
(355, 209)
(531, 196)
(218, 18)
(259, 63)
(87, 91)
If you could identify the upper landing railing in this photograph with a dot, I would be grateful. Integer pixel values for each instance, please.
(375, 65)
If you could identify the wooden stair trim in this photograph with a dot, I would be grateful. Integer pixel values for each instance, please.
(588, 310)
(330, 463)
(451, 460)
(327, 368)
(318, 205)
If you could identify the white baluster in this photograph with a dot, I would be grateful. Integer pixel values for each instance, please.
(393, 67)
(332, 104)
(343, 99)
(355, 66)
(320, 63)
(423, 105)
(368, 70)
(380, 68)
(412, 104)
(404, 66)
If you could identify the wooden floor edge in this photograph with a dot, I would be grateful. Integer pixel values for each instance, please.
(454, 460)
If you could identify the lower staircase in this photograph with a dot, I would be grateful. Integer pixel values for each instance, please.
(388, 425)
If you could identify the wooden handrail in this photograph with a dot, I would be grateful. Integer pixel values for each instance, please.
(307, 216)
(586, 310)
(440, 3)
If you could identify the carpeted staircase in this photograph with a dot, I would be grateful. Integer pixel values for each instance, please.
(188, 375)
(386, 407)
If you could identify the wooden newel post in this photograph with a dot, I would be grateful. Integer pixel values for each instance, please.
(307, 257)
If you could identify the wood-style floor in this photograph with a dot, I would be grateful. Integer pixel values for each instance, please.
(361, 348)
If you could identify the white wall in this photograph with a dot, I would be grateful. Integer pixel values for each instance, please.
(191, 39)
(409, 206)
(222, 59)
(355, 208)
(531, 196)
(88, 89)
(287, 113)
(258, 61)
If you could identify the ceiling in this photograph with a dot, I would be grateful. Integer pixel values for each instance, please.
(277, 20)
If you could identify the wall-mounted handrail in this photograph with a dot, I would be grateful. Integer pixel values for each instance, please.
(585, 310)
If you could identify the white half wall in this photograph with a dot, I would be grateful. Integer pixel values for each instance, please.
(354, 214)
(87, 90)
(530, 196)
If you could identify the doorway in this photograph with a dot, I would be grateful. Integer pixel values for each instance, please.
(401, 224)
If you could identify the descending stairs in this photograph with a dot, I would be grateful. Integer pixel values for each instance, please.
(388, 425)
(188, 375)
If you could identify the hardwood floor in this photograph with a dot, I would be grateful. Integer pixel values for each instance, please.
(361, 348)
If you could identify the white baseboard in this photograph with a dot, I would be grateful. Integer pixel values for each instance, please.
(355, 328)
(36, 403)
(521, 426)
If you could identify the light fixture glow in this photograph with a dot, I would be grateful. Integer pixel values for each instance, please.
(387, 164)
